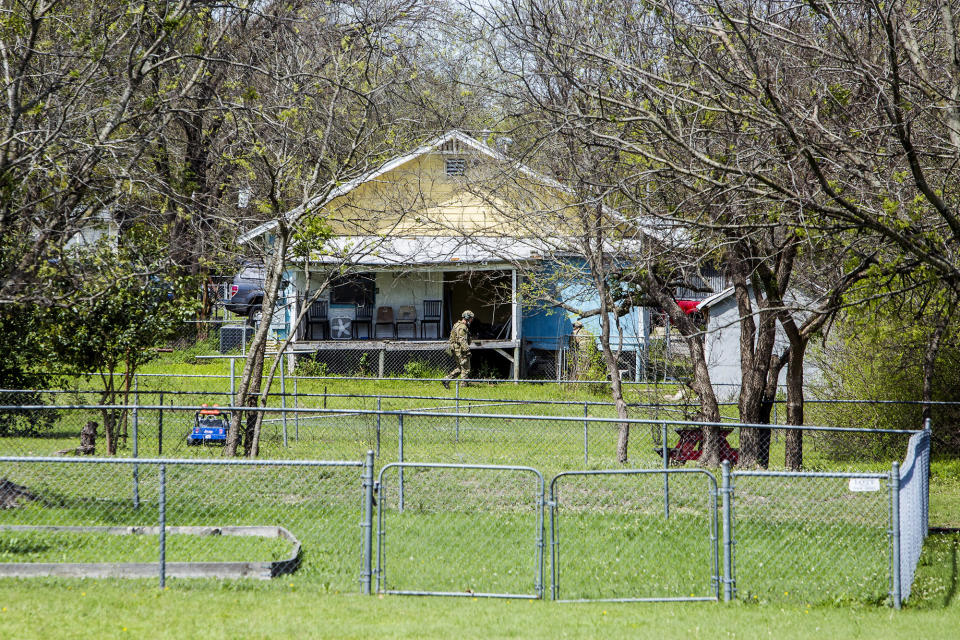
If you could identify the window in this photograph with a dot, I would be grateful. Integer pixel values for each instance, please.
(352, 289)
(456, 166)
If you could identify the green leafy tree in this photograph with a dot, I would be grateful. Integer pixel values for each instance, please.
(130, 310)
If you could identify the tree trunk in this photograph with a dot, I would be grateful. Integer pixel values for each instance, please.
(127, 375)
(250, 380)
(709, 409)
(110, 430)
(756, 349)
(777, 363)
(613, 369)
(107, 397)
(930, 361)
(793, 441)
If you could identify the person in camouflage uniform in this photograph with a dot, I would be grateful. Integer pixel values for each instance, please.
(460, 347)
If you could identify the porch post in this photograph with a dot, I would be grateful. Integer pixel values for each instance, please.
(516, 325)
(514, 306)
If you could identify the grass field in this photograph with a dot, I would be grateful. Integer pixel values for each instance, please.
(60, 546)
(209, 609)
(811, 560)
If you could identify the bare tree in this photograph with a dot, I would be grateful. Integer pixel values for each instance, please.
(770, 127)
(321, 110)
(86, 89)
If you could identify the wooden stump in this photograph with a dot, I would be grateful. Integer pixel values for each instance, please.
(88, 439)
(88, 442)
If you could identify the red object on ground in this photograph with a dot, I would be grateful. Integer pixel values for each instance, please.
(690, 446)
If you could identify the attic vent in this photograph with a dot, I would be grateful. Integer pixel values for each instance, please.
(456, 166)
(451, 146)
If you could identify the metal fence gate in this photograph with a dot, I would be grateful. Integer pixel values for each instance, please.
(812, 536)
(634, 535)
(460, 530)
(125, 517)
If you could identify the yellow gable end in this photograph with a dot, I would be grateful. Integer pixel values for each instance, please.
(419, 198)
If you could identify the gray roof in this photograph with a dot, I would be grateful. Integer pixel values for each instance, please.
(406, 251)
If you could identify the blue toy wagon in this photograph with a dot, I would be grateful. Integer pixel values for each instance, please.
(210, 426)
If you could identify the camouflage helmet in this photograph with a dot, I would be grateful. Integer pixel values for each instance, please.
(467, 315)
(577, 324)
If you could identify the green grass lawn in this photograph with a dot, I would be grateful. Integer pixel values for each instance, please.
(466, 533)
(61, 546)
(49, 608)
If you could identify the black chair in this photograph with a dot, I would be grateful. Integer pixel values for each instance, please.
(363, 317)
(384, 318)
(431, 315)
(407, 316)
(317, 317)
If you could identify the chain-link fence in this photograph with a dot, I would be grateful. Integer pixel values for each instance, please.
(652, 535)
(460, 530)
(463, 432)
(474, 529)
(912, 514)
(813, 536)
(119, 517)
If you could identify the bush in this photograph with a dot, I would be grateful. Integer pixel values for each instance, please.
(880, 358)
(311, 368)
(421, 369)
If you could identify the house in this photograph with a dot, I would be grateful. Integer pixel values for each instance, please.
(722, 345)
(417, 241)
(97, 228)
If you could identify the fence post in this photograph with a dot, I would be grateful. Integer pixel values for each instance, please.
(379, 415)
(400, 459)
(160, 427)
(233, 380)
(895, 592)
(136, 404)
(367, 578)
(554, 542)
(283, 400)
(296, 415)
(163, 525)
(136, 467)
(926, 481)
(727, 492)
(666, 466)
(381, 361)
(586, 414)
(457, 434)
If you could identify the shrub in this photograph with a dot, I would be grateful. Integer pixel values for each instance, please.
(421, 369)
(880, 358)
(311, 368)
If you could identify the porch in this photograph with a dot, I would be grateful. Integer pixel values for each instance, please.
(392, 358)
(379, 321)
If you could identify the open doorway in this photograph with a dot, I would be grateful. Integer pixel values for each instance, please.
(488, 294)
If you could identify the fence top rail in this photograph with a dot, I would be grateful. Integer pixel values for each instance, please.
(627, 472)
(811, 474)
(224, 376)
(185, 461)
(447, 414)
(363, 396)
(445, 465)
(175, 392)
